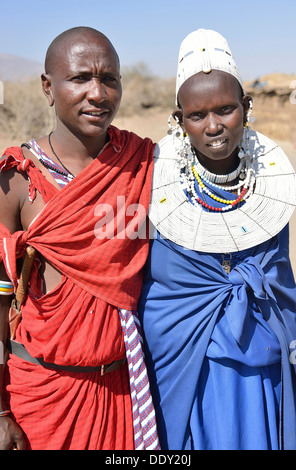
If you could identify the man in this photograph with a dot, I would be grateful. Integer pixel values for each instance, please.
(79, 197)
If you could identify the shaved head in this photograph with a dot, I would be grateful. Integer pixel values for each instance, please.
(80, 33)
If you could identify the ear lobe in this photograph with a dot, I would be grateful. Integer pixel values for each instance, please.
(46, 88)
(178, 116)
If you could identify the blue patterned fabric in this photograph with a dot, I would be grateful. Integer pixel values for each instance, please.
(217, 346)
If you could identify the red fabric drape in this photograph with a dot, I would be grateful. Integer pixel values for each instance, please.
(67, 230)
(77, 323)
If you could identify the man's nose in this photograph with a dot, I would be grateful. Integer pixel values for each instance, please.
(96, 91)
(213, 124)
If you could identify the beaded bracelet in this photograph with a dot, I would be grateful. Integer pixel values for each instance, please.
(6, 288)
(4, 413)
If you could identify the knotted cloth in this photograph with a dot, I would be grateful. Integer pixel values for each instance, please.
(81, 321)
(204, 329)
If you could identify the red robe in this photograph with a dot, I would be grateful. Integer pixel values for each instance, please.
(77, 323)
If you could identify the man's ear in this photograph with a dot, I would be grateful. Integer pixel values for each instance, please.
(46, 88)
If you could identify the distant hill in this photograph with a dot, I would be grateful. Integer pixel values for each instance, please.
(16, 68)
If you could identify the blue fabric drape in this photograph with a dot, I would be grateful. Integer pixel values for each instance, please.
(217, 346)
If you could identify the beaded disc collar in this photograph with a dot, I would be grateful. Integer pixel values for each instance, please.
(263, 215)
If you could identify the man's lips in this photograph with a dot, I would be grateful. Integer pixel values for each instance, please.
(96, 113)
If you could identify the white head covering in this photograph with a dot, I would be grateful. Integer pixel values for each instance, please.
(204, 50)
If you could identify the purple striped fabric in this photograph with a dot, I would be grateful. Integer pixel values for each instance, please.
(144, 421)
(61, 176)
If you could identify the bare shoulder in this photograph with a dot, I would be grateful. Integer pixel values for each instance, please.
(12, 182)
(13, 190)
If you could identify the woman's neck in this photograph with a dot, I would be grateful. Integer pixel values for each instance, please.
(219, 167)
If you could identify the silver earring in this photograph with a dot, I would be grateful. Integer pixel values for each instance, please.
(250, 118)
(176, 130)
(244, 147)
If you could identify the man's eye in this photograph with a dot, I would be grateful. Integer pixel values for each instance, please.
(80, 78)
(109, 78)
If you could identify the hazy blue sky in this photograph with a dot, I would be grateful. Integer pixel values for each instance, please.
(261, 33)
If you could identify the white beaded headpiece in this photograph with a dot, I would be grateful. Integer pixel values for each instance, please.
(204, 50)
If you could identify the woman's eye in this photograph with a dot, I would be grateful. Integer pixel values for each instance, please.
(196, 116)
(226, 109)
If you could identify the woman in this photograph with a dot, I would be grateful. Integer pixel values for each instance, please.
(219, 300)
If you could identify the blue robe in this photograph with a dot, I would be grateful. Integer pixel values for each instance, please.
(218, 346)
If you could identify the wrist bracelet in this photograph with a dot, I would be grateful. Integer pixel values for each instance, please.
(4, 413)
(6, 288)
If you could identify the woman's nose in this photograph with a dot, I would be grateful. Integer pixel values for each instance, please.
(213, 124)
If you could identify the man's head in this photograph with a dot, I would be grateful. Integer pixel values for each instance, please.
(82, 79)
(59, 43)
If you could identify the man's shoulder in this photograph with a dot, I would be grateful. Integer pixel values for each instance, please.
(14, 152)
(3, 158)
(13, 188)
(125, 135)
(9, 171)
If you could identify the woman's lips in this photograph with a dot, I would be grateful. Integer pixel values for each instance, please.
(217, 143)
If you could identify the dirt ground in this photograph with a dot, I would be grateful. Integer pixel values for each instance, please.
(153, 123)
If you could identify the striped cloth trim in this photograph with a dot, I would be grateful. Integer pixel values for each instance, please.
(61, 179)
(144, 421)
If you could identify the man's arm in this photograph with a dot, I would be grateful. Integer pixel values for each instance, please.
(11, 435)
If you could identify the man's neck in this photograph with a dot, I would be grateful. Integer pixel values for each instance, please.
(77, 147)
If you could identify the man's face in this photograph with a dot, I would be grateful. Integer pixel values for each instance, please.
(213, 117)
(86, 86)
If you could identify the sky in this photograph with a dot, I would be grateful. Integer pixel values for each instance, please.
(261, 33)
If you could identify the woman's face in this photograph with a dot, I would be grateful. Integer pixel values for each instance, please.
(213, 112)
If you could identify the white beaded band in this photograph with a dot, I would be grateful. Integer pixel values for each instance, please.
(213, 178)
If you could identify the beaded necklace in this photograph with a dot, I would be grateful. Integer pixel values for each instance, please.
(212, 177)
(52, 149)
(59, 173)
(196, 173)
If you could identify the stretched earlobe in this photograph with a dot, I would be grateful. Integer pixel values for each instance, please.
(178, 116)
(46, 87)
